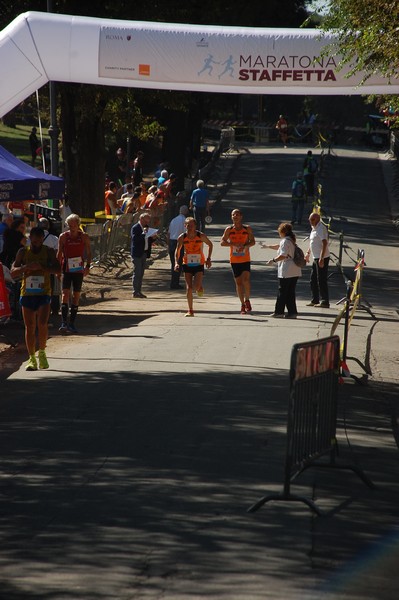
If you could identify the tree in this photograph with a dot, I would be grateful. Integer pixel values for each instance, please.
(367, 40)
(88, 111)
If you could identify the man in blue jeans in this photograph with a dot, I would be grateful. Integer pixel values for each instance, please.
(318, 248)
(199, 204)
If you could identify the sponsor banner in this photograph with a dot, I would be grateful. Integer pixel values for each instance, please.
(258, 59)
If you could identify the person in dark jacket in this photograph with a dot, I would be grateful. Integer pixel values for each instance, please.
(13, 239)
(141, 244)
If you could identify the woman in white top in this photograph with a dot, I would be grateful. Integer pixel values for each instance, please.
(287, 272)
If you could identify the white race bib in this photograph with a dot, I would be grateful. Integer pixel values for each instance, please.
(193, 260)
(75, 264)
(34, 284)
(237, 252)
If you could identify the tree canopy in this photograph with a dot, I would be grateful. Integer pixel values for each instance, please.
(368, 40)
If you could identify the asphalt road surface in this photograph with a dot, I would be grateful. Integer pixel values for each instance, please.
(128, 467)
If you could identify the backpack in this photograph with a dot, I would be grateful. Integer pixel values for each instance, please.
(299, 257)
(312, 165)
(299, 189)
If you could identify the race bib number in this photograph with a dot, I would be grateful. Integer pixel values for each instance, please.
(238, 252)
(193, 260)
(75, 264)
(34, 284)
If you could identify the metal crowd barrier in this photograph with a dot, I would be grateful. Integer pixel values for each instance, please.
(312, 416)
(351, 302)
(110, 240)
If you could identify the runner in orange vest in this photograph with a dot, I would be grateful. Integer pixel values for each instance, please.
(239, 238)
(193, 260)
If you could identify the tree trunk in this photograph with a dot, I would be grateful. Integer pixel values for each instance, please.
(82, 108)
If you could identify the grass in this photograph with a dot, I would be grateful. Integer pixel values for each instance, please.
(16, 140)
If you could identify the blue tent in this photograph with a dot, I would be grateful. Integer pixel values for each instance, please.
(19, 181)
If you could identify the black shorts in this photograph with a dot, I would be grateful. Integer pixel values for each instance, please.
(76, 279)
(193, 270)
(34, 302)
(239, 268)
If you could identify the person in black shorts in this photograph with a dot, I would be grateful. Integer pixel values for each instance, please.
(73, 252)
(34, 265)
(193, 260)
(239, 238)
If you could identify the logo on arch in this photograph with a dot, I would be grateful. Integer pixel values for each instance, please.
(145, 70)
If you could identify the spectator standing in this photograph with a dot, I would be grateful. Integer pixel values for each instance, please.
(3, 208)
(35, 265)
(287, 272)
(141, 244)
(169, 195)
(127, 195)
(73, 252)
(13, 240)
(64, 210)
(176, 228)
(164, 176)
(120, 172)
(310, 167)
(320, 253)
(199, 204)
(5, 223)
(123, 189)
(34, 145)
(138, 168)
(298, 199)
(142, 188)
(110, 201)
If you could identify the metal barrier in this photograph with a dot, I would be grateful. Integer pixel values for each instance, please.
(312, 416)
(110, 241)
(351, 302)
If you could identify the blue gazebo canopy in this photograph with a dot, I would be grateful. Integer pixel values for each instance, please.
(19, 181)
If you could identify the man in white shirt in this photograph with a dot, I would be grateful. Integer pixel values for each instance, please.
(318, 248)
(176, 228)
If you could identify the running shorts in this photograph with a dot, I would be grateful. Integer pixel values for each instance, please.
(239, 268)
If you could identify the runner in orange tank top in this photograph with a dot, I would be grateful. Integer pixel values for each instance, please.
(239, 238)
(193, 260)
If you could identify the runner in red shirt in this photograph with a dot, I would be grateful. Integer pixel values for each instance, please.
(73, 251)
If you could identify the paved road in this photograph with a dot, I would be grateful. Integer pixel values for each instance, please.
(128, 467)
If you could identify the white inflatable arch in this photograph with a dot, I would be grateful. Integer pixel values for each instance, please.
(40, 47)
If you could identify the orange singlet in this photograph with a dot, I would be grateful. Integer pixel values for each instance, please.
(239, 238)
(193, 253)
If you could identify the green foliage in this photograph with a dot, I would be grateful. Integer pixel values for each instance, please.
(368, 41)
(367, 35)
(124, 117)
(16, 140)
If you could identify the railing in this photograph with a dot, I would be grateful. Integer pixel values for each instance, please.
(312, 417)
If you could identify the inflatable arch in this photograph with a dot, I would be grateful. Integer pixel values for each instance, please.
(40, 47)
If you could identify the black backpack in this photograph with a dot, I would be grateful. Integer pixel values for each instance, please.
(299, 257)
